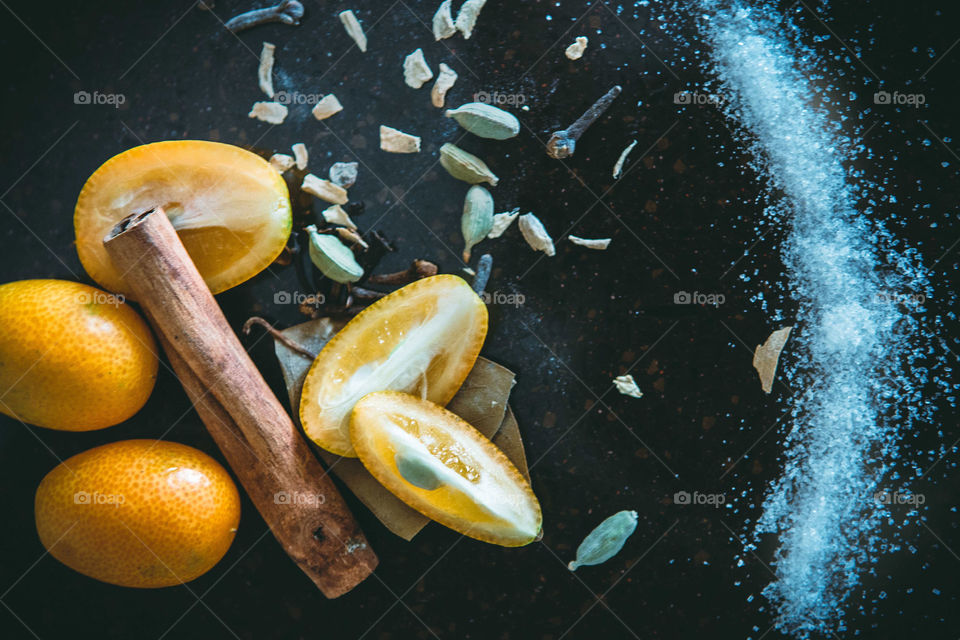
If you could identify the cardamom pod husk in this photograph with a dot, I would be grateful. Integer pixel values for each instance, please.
(466, 166)
(485, 120)
(477, 219)
(334, 259)
(606, 540)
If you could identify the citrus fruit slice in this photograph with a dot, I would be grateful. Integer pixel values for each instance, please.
(230, 208)
(444, 468)
(423, 339)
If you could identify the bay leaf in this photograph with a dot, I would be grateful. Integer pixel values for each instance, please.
(481, 401)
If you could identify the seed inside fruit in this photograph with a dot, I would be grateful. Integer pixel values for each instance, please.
(229, 206)
(422, 339)
(444, 468)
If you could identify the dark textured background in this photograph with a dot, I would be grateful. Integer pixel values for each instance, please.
(678, 220)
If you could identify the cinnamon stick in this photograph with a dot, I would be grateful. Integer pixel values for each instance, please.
(286, 483)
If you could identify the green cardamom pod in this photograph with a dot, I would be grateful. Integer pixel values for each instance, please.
(485, 120)
(466, 166)
(477, 219)
(334, 259)
(606, 540)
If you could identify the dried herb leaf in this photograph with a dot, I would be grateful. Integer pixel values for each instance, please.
(485, 120)
(536, 235)
(575, 50)
(443, 25)
(265, 71)
(767, 355)
(271, 112)
(416, 71)
(324, 189)
(481, 401)
(502, 222)
(327, 106)
(590, 243)
(300, 155)
(627, 386)
(354, 30)
(396, 141)
(466, 166)
(445, 80)
(606, 540)
(477, 219)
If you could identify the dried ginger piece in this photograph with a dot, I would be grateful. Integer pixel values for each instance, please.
(590, 243)
(416, 71)
(767, 356)
(265, 71)
(445, 80)
(396, 141)
(627, 386)
(327, 106)
(271, 112)
(535, 234)
(467, 17)
(443, 25)
(575, 50)
(300, 155)
(324, 189)
(354, 30)
(281, 162)
(336, 215)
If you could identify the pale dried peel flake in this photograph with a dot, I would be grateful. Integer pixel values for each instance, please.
(416, 71)
(396, 141)
(575, 50)
(445, 80)
(618, 168)
(627, 386)
(336, 215)
(344, 174)
(502, 222)
(467, 17)
(271, 112)
(443, 26)
(328, 106)
(354, 30)
(300, 155)
(535, 234)
(591, 243)
(281, 162)
(324, 189)
(767, 355)
(265, 72)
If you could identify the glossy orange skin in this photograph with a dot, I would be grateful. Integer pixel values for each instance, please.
(72, 357)
(138, 513)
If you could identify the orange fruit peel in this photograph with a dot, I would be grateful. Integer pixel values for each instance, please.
(423, 339)
(230, 208)
(444, 468)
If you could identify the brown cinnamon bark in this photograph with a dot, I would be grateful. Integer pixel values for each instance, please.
(288, 486)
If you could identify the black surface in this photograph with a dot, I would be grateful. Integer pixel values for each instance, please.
(587, 316)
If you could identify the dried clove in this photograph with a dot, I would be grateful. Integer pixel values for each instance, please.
(277, 335)
(563, 142)
(286, 12)
(418, 269)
